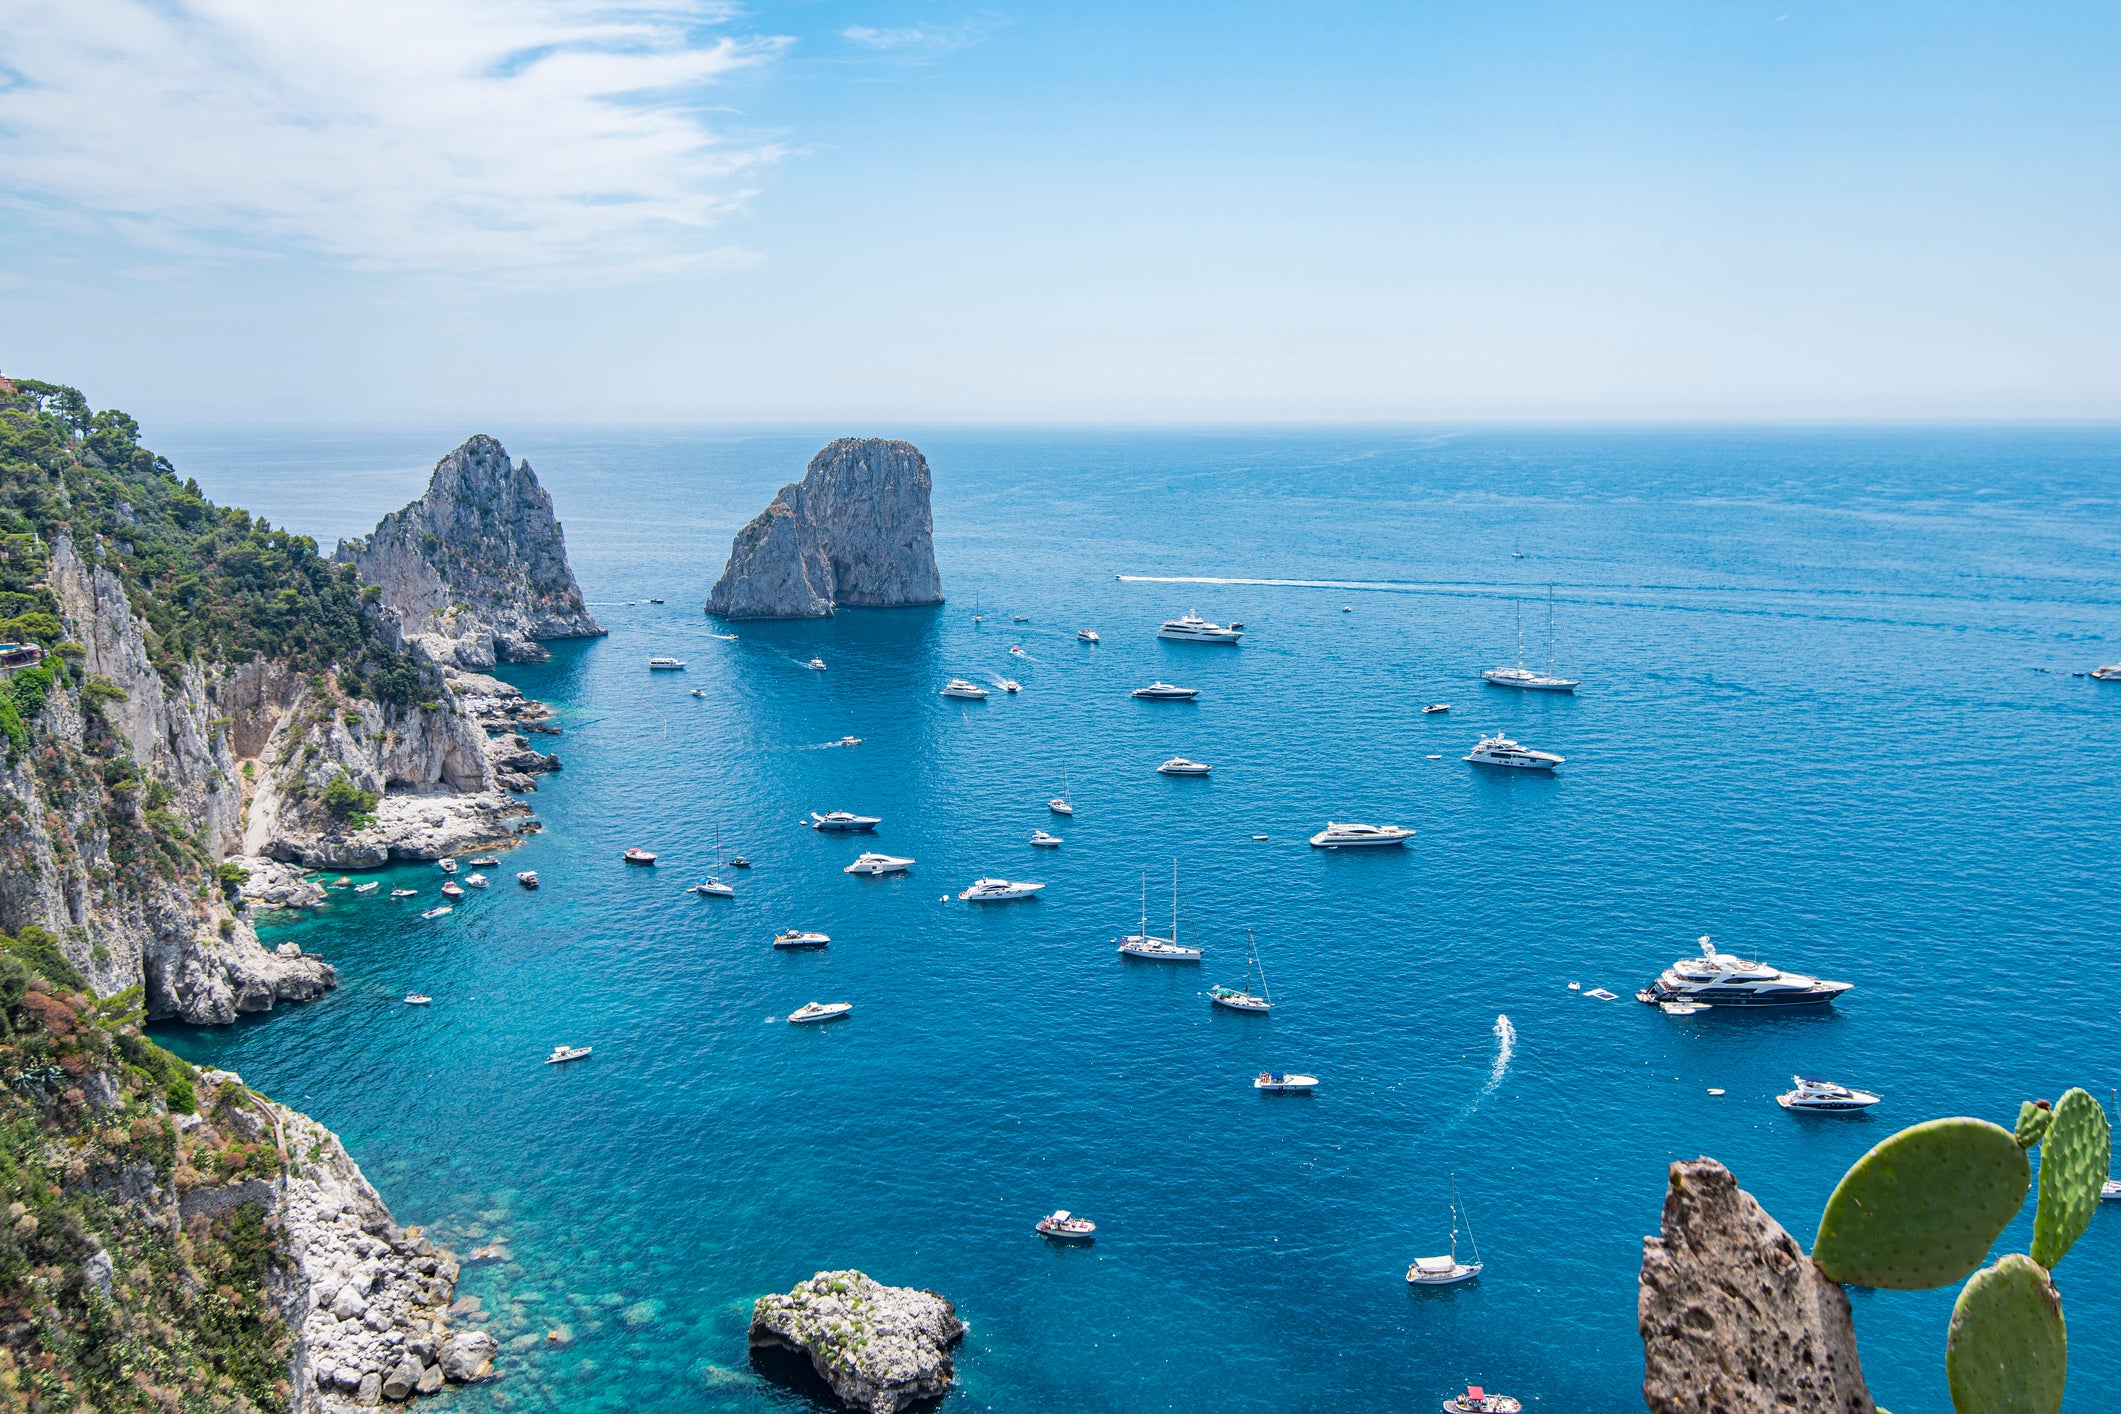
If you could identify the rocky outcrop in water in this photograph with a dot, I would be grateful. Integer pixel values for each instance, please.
(1735, 1318)
(475, 572)
(856, 531)
(881, 1348)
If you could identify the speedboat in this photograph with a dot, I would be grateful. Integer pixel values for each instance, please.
(1011, 685)
(528, 878)
(638, 855)
(452, 889)
(712, 888)
(816, 665)
(1192, 628)
(661, 664)
(878, 864)
(476, 881)
(820, 1011)
(1019, 618)
(485, 861)
(1044, 840)
(1164, 692)
(958, 687)
(2110, 1191)
(437, 911)
(2111, 672)
(1088, 635)
(403, 893)
(563, 1054)
(1338, 836)
(1499, 750)
(1721, 980)
(1435, 707)
(1065, 1226)
(850, 741)
(1448, 1270)
(1180, 766)
(1478, 1401)
(1683, 1008)
(998, 891)
(737, 861)
(1824, 1096)
(800, 938)
(1018, 650)
(1285, 1084)
(655, 601)
(838, 822)
(418, 999)
(699, 692)
(447, 866)
(368, 888)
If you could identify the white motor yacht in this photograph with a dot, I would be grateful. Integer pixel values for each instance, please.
(998, 891)
(843, 822)
(665, 665)
(958, 687)
(1192, 628)
(1088, 635)
(563, 1054)
(1339, 836)
(1277, 1083)
(1721, 980)
(820, 1011)
(1523, 677)
(801, 938)
(1499, 750)
(1044, 840)
(1824, 1096)
(1165, 692)
(1180, 766)
(873, 864)
(1448, 1271)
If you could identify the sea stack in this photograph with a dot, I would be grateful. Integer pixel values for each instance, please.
(476, 571)
(881, 1348)
(856, 531)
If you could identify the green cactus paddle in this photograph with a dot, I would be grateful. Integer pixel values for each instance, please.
(1923, 1207)
(2007, 1352)
(2033, 1118)
(2074, 1159)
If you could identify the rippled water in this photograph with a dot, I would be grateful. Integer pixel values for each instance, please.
(1827, 718)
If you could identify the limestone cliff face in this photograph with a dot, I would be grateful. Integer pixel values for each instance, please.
(476, 571)
(855, 531)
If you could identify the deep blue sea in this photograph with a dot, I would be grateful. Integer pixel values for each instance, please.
(1828, 717)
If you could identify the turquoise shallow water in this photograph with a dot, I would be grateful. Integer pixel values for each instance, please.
(1827, 718)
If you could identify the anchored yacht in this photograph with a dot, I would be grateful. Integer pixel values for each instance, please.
(801, 938)
(1164, 692)
(843, 822)
(1244, 999)
(563, 1054)
(1143, 943)
(1180, 766)
(1499, 750)
(637, 855)
(1448, 1271)
(665, 665)
(1824, 1096)
(1524, 677)
(1195, 629)
(878, 864)
(958, 687)
(1044, 840)
(712, 888)
(1721, 980)
(998, 891)
(1337, 836)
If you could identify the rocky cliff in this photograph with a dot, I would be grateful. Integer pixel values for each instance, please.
(475, 572)
(856, 531)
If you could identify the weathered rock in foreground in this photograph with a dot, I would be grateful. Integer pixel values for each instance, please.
(881, 1348)
(476, 570)
(856, 531)
(1735, 1317)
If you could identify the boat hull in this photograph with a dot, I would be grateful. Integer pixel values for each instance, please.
(1322, 841)
(1749, 1000)
(1458, 1277)
(1493, 679)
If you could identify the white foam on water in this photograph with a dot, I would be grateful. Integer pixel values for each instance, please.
(1505, 1047)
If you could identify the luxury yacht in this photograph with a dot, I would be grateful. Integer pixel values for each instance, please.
(2110, 1191)
(958, 687)
(1143, 943)
(665, 665)
(1180, 766)
(1088, 635)
(1524, 677)
(820, 1011)
(1062, 1224)
(1164, 692)
(1285, 1084)
(801, 938)
(1722, 980)
(638, 855)
(1044, 840)
(1499, 750)
(843, 822)
(563, 1054)
(998, 891)
(1337, 836)
(1824, 1096)
(878, 864)
(1195, 629)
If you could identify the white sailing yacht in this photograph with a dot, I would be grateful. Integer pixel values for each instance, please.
(1143, 943)
(1246, 999)
(1060, 804)
(1448, 1271)
(714, 886)
(1523, 677)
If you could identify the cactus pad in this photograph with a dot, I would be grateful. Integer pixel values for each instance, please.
(2033, 1119)
(2074, 1160)
(2007, 1352)
(1922, 1208)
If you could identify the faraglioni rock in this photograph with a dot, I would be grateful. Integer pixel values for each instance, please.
(476, 570)
(854, 532)
(1735, 1318)
(881, 1348)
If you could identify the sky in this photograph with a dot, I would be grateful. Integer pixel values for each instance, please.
(231, 212)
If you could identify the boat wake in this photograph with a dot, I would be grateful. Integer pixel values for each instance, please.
(1505, 1047)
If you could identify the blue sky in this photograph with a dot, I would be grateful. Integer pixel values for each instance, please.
(672, 210)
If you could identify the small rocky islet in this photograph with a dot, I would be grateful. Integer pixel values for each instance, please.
(881, 1348)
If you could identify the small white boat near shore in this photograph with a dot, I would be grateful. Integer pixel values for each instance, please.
(368, 888)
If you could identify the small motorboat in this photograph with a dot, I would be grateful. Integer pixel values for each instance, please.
(528, 878)
(1011, 685)
(1478, 1401)
(874, 864)
(840, 822)
(655, 601)
(446, 865)
(820, 1011)
(816, 665)
(699, 692)
(1347, 608)
(1824, 1097)
(563, 1054)
(1066, 1227)
(2110, 1191)
(403, 893)
(662, 664)
(452, 889)
(476, 881)
(368, 888)
(850, 741)
(418, 999)
(341, 882)
(1018, 650)
(1285, 1084)
(712, 888)
(1088, 635)
(1602, 994)
(638, 855)
(739, 862)
(1180, 766)
(1165, 692)
(800, 938)
(998, 891)
(1682, 1008)
(437, 911)
(1019, 618)
(1044, 840)
(958, 687)
(1435, 707)
(485, 861)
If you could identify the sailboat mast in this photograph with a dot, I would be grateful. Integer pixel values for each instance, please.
(1520, 635)
(1550, 630)
(1174, 902)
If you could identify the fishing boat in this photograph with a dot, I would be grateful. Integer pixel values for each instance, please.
(438, 910)
(1143, 943)
(873, 864)
(403, 893)
(528, 878)
(563, 1054)
(1448, 1271)
(844, 822)
(638, 855)
(1061, 804)
(1245, 999)
(820, 1011)
(1478, 1401)
(368, 888)
(1064, 1226)
(476, 881)
(418, 999)
(800, 938)
(1279, 1084)
(452, 889)
(1044, 840)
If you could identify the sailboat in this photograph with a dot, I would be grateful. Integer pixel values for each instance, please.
(713, 887)
(1246, 999)
(1143, 943)
(1523, 677)
(1060, 804)
(1448, 1271)
(976, 615)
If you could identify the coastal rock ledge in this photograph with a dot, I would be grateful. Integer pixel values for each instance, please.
(855, 532)
(881, 1348)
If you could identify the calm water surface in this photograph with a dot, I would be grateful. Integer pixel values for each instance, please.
(1828, 717)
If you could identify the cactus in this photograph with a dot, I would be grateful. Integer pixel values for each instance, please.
(2074, 1159)
(2007, 1352)
(2033, 1119)
(1923, 1207)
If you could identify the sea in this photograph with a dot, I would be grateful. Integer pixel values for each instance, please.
(1834, 714)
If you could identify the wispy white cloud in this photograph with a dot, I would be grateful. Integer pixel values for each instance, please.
(516, 138)
(923, 38)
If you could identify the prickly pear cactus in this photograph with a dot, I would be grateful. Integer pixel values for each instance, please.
(2074, 1159)
(2007, 1352)
(1923, 1207)
(2033, 1119)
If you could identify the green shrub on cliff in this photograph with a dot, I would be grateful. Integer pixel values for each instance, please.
(349, 804)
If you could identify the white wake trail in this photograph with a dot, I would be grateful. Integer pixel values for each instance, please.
(1505, 1047)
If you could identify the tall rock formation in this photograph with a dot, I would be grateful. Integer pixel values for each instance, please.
(854, 532)
(476, 570)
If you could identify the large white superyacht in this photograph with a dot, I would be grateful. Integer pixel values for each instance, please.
(1192, 628)
(1523, 677)
(1718, 979)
